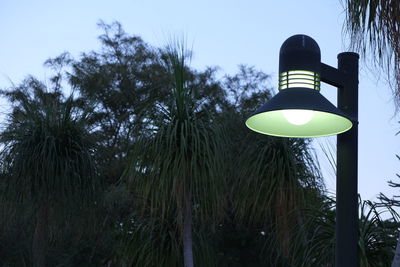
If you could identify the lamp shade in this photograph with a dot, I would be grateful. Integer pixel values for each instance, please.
(299, 112)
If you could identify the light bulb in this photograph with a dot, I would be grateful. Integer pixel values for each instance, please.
(298, 116)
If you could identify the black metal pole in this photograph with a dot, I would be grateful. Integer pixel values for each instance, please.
(347, 161)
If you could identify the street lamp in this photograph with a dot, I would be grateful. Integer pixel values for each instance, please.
(299, 110)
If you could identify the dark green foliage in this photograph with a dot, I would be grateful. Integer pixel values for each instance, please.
(180, 167)
(377, 237)
(46, 156)
(123, 82)
(47, 149)
(271, 179)
(16, 234)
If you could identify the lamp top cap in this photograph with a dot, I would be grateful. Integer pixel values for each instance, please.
(300, 42)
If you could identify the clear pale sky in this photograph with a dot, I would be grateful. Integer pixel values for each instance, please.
(223, 33)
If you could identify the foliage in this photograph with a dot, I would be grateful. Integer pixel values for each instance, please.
(377, 236)
(374, 27)
(280, 173)
(46, 155)
(46, 146)
(122, 82)
(180, 166)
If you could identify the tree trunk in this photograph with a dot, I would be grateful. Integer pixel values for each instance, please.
(187, 234)
(396, 259)
(40, 237)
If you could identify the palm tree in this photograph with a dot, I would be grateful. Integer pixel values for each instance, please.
(377, 236)
(176, 174)
(276, 182)
(390, 203)
(47, 153)
(374, 26)
(271, 180)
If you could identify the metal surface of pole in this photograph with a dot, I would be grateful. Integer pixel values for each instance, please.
(347, 163)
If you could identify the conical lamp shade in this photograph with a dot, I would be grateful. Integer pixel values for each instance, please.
(299, 112)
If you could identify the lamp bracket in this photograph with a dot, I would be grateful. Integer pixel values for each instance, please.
(332, 76)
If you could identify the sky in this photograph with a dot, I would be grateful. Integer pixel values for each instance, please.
(221, 33)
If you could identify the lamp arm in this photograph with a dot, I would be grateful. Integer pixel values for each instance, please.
(332, 76)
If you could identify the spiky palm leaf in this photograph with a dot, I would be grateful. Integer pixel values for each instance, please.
(377, 237)
(374, 27)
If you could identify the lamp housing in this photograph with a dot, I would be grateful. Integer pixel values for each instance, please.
(299, 109)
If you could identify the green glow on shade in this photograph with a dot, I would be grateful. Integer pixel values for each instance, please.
(321, 124)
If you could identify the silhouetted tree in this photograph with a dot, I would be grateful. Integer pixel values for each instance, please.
(47, 154)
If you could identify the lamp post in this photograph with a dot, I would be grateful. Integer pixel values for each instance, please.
(299, 110)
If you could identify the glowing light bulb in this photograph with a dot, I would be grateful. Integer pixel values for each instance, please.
(297, 116)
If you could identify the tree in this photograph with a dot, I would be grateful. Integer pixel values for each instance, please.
(176, 171)
(47, 154)
(374, 27)
(272, 180)
(123, 81)
(390, 203)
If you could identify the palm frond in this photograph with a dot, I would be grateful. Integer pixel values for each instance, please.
(374, 27)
